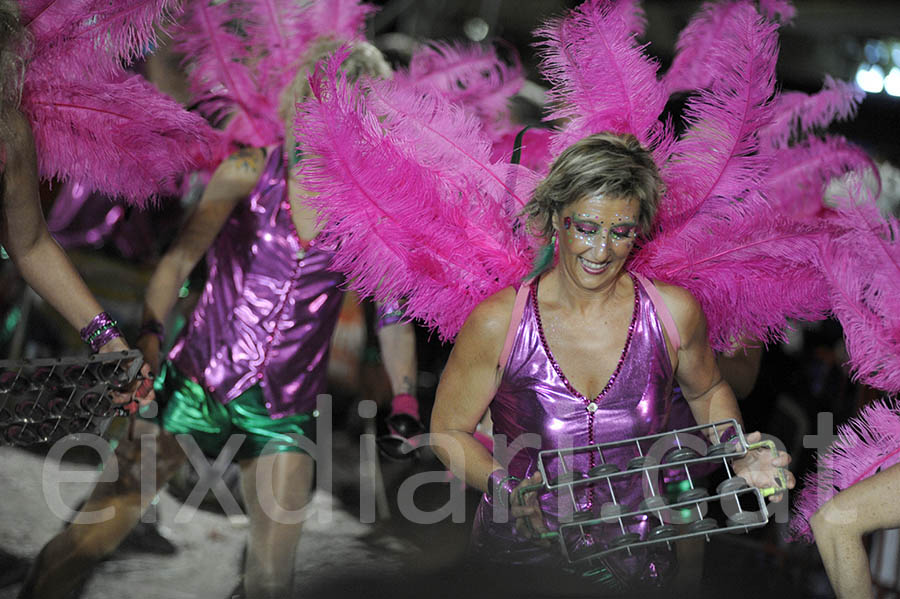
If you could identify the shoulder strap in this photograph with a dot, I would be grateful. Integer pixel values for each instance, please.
(662, 311)
(515, 319)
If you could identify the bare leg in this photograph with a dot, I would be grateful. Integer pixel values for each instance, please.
(67, 559)
(276, 487)
(840, 524)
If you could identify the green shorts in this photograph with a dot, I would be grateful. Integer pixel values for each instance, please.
(187, 408)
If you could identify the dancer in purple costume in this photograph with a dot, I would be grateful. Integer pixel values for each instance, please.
(591, 360)
(251, 360)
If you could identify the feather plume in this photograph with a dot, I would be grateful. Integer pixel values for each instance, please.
(796, 113)
(862, 266)
(471, 75)
(93, 38)
(220, 80)
(343, 19)
(796, 181)
(718, 155)
(123, 138)
(601, 78)
(535, 148)
(778, 10)
(750, 269)
(867, 444)
(714, 25)
(279, 33)
(384, 161)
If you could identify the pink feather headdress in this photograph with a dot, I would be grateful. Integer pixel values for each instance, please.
(241, 54)
(92, 121)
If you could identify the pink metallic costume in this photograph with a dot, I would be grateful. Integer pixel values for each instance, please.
(535, 397)
(269, 306)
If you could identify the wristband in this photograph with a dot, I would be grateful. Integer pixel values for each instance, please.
(404, 403)
(153, 327)
(388, 314)
(99, 331)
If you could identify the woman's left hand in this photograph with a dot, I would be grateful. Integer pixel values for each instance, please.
(759, 467)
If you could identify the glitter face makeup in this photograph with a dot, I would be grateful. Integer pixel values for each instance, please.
(582, 228)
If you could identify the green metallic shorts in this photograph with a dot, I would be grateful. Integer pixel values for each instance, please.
(186, 408)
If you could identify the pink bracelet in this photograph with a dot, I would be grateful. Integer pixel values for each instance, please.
(99, 331)
(404, 403)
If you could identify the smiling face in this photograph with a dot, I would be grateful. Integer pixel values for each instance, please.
(596, 235)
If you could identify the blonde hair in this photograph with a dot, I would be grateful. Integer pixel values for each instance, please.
(604, 163)
(14, 51)
(364, 59)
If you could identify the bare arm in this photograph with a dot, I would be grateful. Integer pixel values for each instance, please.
(467, 386)
(43, 264)
(232, 181)
(740, 369)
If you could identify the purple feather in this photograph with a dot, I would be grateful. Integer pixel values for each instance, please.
(796, 113)
(123, 138)
(718, 155)
(343, 19)
(750, 269)
(279, 34)
(601, 78)
(862, 266)
(867, 444)
(799, 174)
(384, 162)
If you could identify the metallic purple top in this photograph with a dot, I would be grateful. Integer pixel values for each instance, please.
(535, 397)
(269, 306)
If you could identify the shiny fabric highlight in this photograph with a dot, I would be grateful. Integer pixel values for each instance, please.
(533, 398)
(269, 306)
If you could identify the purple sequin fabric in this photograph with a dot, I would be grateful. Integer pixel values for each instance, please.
(534, 396)
(269, 306)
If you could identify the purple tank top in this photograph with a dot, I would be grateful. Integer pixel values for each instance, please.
(269, 306)
(535, 397)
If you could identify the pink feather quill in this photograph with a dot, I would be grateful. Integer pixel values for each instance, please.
(601, 78)
(718, 155)
(866, 445)
(386, 161)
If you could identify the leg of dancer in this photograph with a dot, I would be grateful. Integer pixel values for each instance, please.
(840, 524)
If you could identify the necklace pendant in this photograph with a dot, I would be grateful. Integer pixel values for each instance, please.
(592, 407)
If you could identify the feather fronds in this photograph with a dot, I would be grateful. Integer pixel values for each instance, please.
(778, 10)
(796, 113)
(279, 33)
(718, 155)
(713, 26)
(92, 38)
(221, 80)
(405, 183)
(799, 174)
(601, 78)
(343, 19)
(750, 269)
(862, 266)
(121, 137)
(471, 75)
(867, 444)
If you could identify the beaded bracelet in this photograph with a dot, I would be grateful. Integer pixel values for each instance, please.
(99, 331)
(153, 327)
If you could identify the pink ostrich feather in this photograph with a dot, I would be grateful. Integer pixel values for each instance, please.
(279, 33)
(718, 155)
(796, 113)
(867, 444)
(799, 174)
(343, 19)
(92, 38)
(750, 269)
(714, 25)
(778, 10)
(123, 137)
(378, 179)
(601, 78)
(471, 75)
(862, 266)
(220, 79)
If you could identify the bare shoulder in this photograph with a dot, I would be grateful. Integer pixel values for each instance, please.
(491, 317)
(683, 305)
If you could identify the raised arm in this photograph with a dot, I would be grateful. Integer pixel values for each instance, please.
(467, 386)
(40, 260)
(232, 181)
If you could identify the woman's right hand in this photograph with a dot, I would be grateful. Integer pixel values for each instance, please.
(529, 519)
